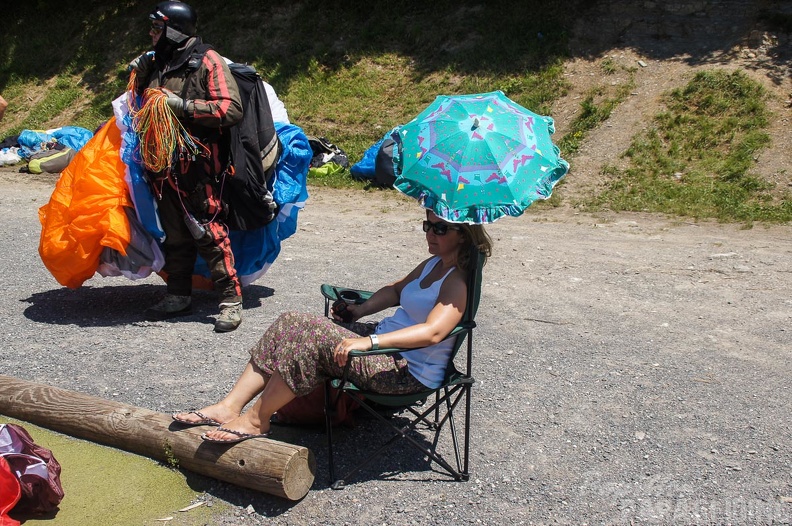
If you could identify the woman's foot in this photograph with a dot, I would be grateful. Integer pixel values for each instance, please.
(236, 430)
(212, 415)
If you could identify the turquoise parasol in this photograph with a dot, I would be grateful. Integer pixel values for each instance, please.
(477, 158)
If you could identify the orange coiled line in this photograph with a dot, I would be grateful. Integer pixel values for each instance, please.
(160, 132)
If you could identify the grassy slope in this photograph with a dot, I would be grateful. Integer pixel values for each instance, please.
(346, 71)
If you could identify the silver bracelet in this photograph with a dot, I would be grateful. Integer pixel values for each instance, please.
(374, 341)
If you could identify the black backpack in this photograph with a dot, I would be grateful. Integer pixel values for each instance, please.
(384, 174)
(254, 151)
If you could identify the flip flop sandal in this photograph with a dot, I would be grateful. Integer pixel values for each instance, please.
(204, 420)
(239, 434)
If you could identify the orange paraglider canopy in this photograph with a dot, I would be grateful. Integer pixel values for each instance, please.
(86, 210)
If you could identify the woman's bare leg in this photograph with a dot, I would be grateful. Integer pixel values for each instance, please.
(250, 383)
(256, 420)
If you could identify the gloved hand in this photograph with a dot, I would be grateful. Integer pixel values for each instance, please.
(142, 64)
(178, 105)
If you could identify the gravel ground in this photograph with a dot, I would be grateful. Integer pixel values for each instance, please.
(631, 369)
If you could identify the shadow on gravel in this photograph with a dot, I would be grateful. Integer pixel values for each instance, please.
(122, 305)
(352, 444)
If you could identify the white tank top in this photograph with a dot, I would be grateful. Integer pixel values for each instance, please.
(427, 364)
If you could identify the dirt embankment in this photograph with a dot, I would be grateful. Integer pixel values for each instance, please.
(666, 44)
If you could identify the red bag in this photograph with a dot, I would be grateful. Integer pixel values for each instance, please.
(9, 493)
(310, 409)
(36, 469)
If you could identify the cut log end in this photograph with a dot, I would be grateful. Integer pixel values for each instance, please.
(299, 474)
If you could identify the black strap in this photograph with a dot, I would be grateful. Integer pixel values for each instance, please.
(193, 63)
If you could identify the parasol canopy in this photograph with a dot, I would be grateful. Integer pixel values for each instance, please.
(477, 158)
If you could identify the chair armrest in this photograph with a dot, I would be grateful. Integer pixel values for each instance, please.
(361, 354)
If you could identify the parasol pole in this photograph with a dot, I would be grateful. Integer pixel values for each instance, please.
(265, 465)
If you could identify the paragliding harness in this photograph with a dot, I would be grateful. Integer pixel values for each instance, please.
(254, 150)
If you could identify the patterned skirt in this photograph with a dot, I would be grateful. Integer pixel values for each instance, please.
(300, 347)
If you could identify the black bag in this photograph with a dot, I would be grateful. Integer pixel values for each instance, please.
(383, 164)
(326, 152)
(254, 151)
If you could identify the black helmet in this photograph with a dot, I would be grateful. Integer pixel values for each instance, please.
(176, 15)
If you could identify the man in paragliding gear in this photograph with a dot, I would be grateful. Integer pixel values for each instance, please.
(204, 96)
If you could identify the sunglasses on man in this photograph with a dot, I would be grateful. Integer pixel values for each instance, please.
(157, 27)
(439, 229)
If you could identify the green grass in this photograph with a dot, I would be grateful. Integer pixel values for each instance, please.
(59, 96)
(697, 157)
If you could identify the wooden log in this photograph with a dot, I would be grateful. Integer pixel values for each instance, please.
(262, 464)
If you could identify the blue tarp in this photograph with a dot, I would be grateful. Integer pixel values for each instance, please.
(31, 141)
(364, 168)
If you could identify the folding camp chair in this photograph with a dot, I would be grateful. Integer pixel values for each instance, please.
(456, 386)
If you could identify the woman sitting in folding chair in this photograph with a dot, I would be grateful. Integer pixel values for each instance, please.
(301, 351)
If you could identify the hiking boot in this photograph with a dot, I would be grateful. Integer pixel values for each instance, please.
(170, 306)
(230, 317)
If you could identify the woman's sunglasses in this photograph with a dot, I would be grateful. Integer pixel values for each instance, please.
(439, 229)
(157, 27)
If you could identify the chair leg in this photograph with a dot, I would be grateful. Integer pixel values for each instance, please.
(421, 417)
(432, 454)
(466, 467)
(454, 439)
(461, 472)
(329, 410)
(437, 407)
